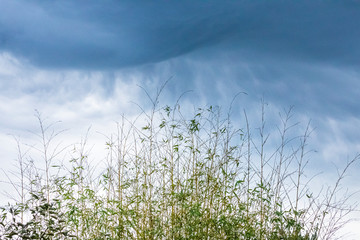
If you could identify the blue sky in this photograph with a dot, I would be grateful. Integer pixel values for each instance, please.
(81, 61)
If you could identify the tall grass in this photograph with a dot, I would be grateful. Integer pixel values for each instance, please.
(175, 177)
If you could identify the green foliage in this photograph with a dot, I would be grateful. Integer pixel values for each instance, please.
(46, 220)
(176, 178)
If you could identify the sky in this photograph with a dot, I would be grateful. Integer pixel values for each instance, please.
(82, 62)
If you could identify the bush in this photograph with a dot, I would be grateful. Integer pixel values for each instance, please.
(176, 178)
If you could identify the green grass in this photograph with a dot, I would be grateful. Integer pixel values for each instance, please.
(176, 177)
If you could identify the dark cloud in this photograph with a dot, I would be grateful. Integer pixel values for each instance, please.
(115, 34)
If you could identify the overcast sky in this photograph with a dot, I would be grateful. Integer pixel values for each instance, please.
(81, 62)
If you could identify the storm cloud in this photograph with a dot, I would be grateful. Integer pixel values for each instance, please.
(116, 34)
(86, 62)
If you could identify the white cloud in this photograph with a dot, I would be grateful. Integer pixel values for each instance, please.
(81, 99)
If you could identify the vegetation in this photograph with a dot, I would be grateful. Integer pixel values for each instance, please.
(175, 177)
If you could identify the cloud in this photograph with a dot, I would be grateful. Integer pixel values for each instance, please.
(82, 62)
(83, 98)
(113, 34)
(315, 89)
